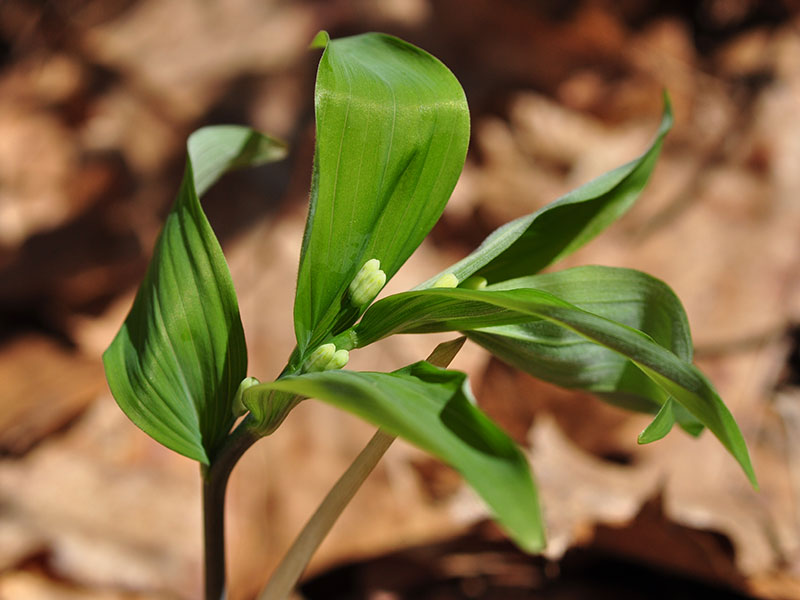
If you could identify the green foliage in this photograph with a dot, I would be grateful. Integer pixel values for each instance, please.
(177, 361)
(392, 133)
(565, 358)
(527, 245)
(433, 310)
(433, 409)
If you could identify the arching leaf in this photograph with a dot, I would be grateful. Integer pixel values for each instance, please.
(177, 361)
(433, 409)
(438, 309)
(529, 244)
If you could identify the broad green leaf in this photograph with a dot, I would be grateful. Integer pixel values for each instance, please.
(441, 309)
(531, 243)
(565, 358)
(177, 361)
(392, 133)
(433, 409)
(268, 408)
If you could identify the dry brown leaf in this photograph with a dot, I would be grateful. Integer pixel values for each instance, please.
(30, 586)
(44, 388)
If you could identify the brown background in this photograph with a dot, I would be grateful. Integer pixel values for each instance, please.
(96, 100)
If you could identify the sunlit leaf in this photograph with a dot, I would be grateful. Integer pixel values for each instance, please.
(177, 361)
(530, 243)
(460, 309)
(433, 409)
(565, 358)
(392, 132)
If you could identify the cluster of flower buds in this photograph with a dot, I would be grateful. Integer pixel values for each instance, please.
(326, 358)
(367, 283)
(448, 280)
(365, 286)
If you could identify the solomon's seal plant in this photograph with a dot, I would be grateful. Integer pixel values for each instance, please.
(391, 139)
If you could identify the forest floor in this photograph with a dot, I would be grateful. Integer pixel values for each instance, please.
(96, 100)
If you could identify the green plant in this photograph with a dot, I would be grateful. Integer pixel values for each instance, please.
(392, 133)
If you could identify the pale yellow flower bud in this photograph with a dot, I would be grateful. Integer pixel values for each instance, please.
(319, 358)
(326, 358)
(340, 358)
(475, 282)
(238, 406)
(448, 280)
(367, 283)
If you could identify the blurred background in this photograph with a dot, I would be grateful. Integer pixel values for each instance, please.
(96, 100)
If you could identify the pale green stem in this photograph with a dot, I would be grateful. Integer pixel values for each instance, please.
(294, 562)
(296, 559)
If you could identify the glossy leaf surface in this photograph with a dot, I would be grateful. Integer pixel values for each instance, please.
(550, 352)
(177, 361)
(392, 133)
(435, 309)
(529, 244)
(433, 409)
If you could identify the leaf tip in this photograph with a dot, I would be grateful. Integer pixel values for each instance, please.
(320, 40)
(749, 471)
(534, 544)
(668, 117)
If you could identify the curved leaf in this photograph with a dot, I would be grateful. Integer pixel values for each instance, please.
(433, 409)
(177, 361)
(392, 133)
(565, 358)
(529, 244)
(661, 425)
(440, 309)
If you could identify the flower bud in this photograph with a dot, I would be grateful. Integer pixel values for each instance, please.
(238, 406)
(476, 282)
(319, 358)
(340, 358)
(448, 280)
(367, 283)
(326, 358)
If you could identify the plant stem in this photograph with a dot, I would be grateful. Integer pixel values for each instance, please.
(215, 482)
(296, 559)
(294, 562)
(214, 539)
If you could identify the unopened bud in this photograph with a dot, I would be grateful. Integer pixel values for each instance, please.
(340, 358)
(319, 358)
(448, 280)
(367, 283)
(475, 282)
(326, 358)
(238, 406)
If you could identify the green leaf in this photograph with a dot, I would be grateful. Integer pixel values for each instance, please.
(433, 409)
(217, 149)
(177, 361)
(457, 309)
(531, 243)
(661, 425)
(565, 358)
(392, 133)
